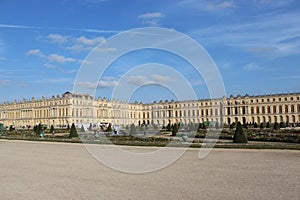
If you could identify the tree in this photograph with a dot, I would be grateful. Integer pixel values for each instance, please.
(68, 127)
(175, 129)
(90, 127)
(169, 127)
(239, 135)
(276, 126)
(282, 125)
(255, 125)
(73, 131)
(11, 128)
(109, 128)
(82, 129)
(52, 129)
(231, 126)
(132, 130)
(199, 127)
(38, 129)
(262, 125)
(268, 125)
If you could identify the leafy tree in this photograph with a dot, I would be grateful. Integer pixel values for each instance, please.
(217, 125)
(38, 129)
(268, 125)
(175, 129)
(169, 128)
(239, 135)
(51, 128)
(109, 128)
(199, 127)
(255, 125)
(11, 128)
(82, 128)
(73, 131)
(90, 127)
(133, 130)
(282, 125)
(262, 125)
(276, 126)
(232, 125)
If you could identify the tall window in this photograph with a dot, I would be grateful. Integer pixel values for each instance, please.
(274, 109)
(286, 109)
(280, 109)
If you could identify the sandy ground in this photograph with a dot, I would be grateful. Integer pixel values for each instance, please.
(32, 170)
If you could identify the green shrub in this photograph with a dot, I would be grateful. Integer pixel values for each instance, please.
(175, 129)
(239, 135)
(73, 131)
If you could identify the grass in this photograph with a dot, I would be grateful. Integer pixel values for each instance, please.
(160, 142)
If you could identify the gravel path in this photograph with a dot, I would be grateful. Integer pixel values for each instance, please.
(33, 170)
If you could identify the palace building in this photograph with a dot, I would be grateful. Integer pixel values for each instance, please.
(80, 108)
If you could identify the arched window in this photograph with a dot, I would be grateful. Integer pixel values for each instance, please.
(280, 109)
(292, 108)
(274, 109)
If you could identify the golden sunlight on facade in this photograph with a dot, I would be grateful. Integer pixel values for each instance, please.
(79, 109)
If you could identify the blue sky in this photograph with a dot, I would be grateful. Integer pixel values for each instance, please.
(255, 44)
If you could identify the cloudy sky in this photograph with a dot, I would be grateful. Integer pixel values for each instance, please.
(255, 44)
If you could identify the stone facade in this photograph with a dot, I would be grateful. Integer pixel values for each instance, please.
(79, 108)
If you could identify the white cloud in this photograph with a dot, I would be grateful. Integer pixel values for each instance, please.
(161, 79)
(153, 78)
(50, 66)
(86, 85)
(151, 19)
(17, 26)
(204, 5)
(274, 36)
(151, 15)
(90, 42)
(222, 5)
(53, 80)
(137, 80)
(23, 85)
(4, 82)
(107, 83)
(60, 59)
(57, 38)
(35, 52)
(52, 57)
(77, 48)
(75, 44)
(252, 67)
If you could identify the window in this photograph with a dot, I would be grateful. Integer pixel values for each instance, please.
(274, 109)
(286, 109)
(280, 109)
(292, 108)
